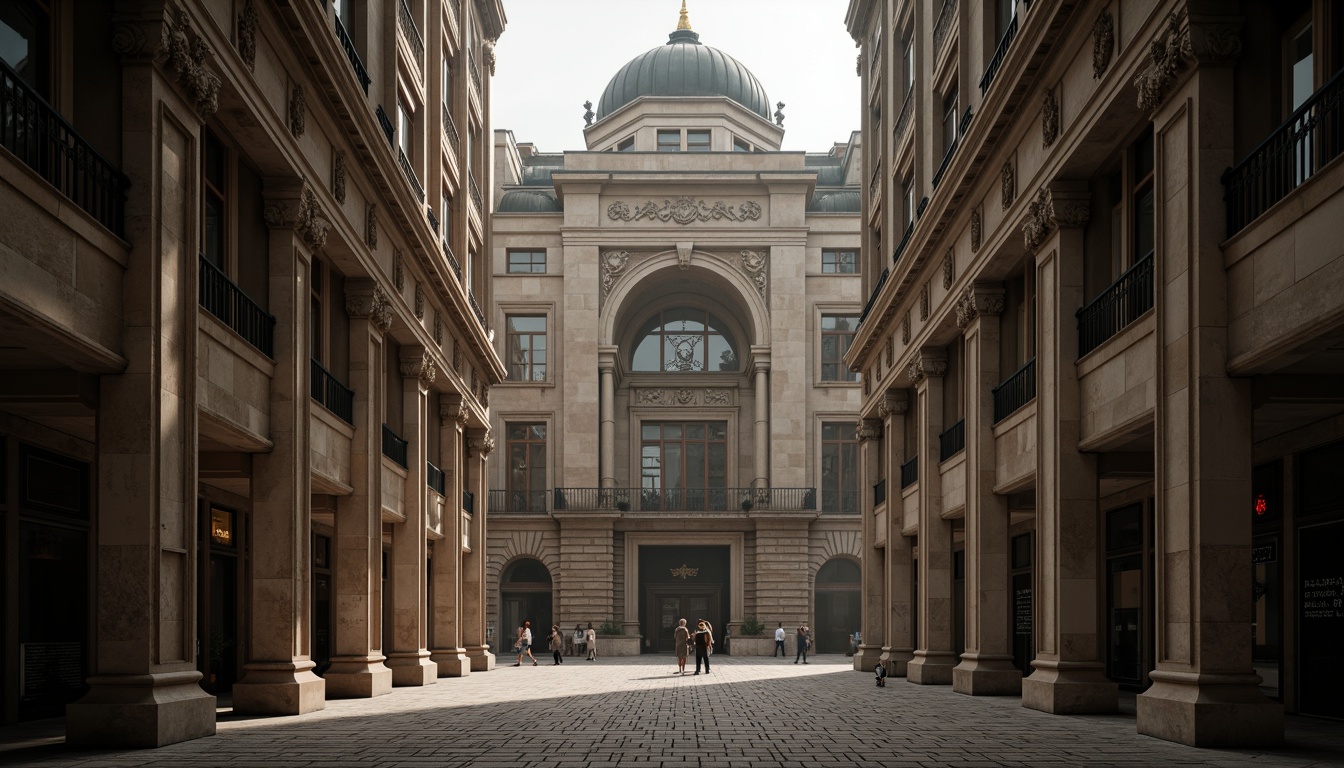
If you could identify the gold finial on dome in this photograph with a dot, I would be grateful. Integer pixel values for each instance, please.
(684, 22)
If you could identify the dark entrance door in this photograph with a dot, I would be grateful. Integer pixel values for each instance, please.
(218, 660)
(671, 604)
(525, 595)
(681, 583)
(1321, 590)
(838, 606)
(1020, 619)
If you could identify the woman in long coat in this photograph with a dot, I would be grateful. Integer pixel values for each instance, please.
(682, 636)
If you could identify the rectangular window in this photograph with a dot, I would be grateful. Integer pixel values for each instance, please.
(839, 468)
(839, 261)
(404, 130)
(1144, 219)
(446, 83)
(908, 63)
(669, 141)
(683, 466)
(837, 333)
(526, 449)
(697, 141)
(25, 43)
(949, 120)
(214, 196)
(526, 354)
(626, 145)
(446, 226)
(907, 201)
(741, 145)
(316, 338)
(527, 261)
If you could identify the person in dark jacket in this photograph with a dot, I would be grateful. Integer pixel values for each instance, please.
(704, 641)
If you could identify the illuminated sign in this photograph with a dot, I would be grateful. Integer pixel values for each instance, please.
(1261, 505)
(221, 526)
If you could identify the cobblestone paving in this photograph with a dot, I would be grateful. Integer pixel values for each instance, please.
(635, 712)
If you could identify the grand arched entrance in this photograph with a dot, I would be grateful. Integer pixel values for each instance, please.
(524, 595)
(837, 601)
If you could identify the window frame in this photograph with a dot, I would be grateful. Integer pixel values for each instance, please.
(699, 146)
(663, 146)
(529, 443)
(218, 191)
(837, 261)
(720, 328)
(531, 265)
(846, 376)
(845, 442)
(626, 145)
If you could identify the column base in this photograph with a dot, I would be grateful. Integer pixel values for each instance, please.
(866, 658)
(357, 677)
(1209, 710)
(279, 688)
(897, 660)
(1069, 688)
(931, 668)
(482, 660)
(140, 711)
(987, 674)
(452, 662)
(412, 668)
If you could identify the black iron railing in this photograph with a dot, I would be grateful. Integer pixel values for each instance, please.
(919, 209)
(475, 71)
(872, 297)
(330, 393)
(433, 220)
(350, 53)
(952, 150)
(836, 502)
(905, 240)
(1016, 391)
(38, 135)
(685, 499)
(469, 502)
(476, 198)
(880, 492)
(902, 122)
(385, 123)
(1311, 137)
(910, 472)
(518, 502)
(450, 129)
(409, 173)
(942, 26)
(874, 184)
(952, 441)
(451, 7)
(452, 259)
(394, 447)
(406, 26)
(434, 478)
(226, 301)
(476, 307)
(1117, 306)
(996, 61)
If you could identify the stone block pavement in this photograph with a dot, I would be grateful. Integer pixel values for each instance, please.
(635, 712)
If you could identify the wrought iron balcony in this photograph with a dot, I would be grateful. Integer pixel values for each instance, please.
(872, 297)
(475, 71)
(518, 502)
(452, 259)
(996, 61)
(1117, 306)
(685, 499)
(909, 472)
(952, 441)
(943, 25)
(394, 447)
(330, 393)
(476, 199)
(433, 220)
(408, 30)
(469, 502)
(385, 123)
(42, 139)
(905, 240)
(952, 150)
(434, 478)
(450, 130)
(361, 73)
(409, 173)
(903, 122)
(880, 492)
(476, 307)
(226, 301)
(1016, 391)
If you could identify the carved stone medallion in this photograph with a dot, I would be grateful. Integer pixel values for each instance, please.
(613, 264)
(1103, 43)
(247, 35)
(755, 266)
(1049, 118)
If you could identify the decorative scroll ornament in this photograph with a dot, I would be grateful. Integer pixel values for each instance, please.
(488, 49)
(974, 302)
(479, 442)
(905, 328)
(453, 408)
(372, 306)
(1039, 221)
(1007, 182)
(338, 176)
(457, 356)
(247, 35)
(419, 301)
(718, 397)
(868, 429)
(685, 210)
(184, 53)
(1049, 118)
(1103, 43)
(755, 266)
(613, 263)
(894, 403)
(371, 226)
(311, 225)
(421, 368)
(298, 111)
(924, 302)
(949, 269)
(398, 271)
(975, 230)
(684, 572)
(927, 366)
(1169, 55)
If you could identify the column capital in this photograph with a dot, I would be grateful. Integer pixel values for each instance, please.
(1064, 203)
(165, 38)
(929, 364)
(979, 299)
(292, 204)
(868, 429)
(1197, 32)
(417, 363)
(894, 402)
(453, 408)
(365, 300)
(606, 357)
(479, 443)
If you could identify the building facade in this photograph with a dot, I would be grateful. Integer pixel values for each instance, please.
(677, 424)
(1101, 355)
(251, 474)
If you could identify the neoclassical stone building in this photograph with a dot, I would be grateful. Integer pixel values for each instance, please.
(677, 424)
(1101, 356)
(243, 362)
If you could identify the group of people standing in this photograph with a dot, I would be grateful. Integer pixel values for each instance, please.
(702, 639)
(584, 641)
(804, 642)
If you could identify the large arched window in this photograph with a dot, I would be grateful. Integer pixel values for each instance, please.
(684, 340)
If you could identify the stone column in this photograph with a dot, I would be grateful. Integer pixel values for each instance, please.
(606, 365)
(408, 658)
(143, 684)
(898, 642)
(1069, 676)
(933, 659)
(873, 563)
(479, 446)
(448, 651)
(761, 374)
(986, 666)
(1205, 692)
(357, 669)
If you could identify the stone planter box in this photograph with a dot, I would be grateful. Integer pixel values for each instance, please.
(757, 645)
(617, 645)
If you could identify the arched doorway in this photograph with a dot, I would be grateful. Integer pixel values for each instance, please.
(524, 595)
(837, 602)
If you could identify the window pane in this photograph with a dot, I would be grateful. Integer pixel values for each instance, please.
(697, 141)
(669, 141)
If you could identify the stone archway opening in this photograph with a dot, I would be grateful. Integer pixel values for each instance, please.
(525, 595)
(838, 601)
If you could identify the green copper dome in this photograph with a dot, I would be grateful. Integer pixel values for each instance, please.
(684, 67)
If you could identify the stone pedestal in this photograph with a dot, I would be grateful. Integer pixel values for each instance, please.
(140, 711)
(933, 658)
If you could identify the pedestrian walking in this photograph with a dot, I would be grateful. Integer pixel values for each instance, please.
(704, 645)
(525, 644)
(682, 636)
(804, 644)
(580, 647)
(779, 642)
(557, 642)
(590, 641)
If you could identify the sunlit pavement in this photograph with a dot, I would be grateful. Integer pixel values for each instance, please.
(618, 712)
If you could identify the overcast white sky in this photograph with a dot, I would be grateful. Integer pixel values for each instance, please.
(555, 54)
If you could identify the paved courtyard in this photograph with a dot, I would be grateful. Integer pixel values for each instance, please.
(619, 712)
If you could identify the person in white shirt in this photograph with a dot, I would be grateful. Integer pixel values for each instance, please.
(779, 642)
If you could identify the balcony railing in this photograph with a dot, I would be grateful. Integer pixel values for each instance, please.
(880, 492)
(434, 478)
(1311, 137)
(952, 150)
(943, 25)
(996, 61)
(385, 123)
(330, 393)
(952, 441)
(406, 26)
(452, 259)
(451, 7)
(38, 135)
(874, 183)
(226, 301)
(394, 447)
(685, 499)
(1117, 306)
(1016, 391)
(872, 297)
(836, 502)
(909, 472)
(469, 502)
(476, 199)
(433, 220)
(518, 502)
(476, 307)
(350, 53)
(475, 71)
(905, 240)
(409, 173)
(450, 129)
(903, 121)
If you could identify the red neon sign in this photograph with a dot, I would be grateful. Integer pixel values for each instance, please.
(1261, 504)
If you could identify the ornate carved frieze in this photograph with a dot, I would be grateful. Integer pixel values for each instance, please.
(685, 210)
(419, 301)
(613, 264)
(1007, 184)
(949, 269)
(398, 271)
(338, 176)
(718, 397)
(1049, 118)
(371, 226)
(1103, 43)
(927, 365)
(975, 230)
(1168, 55)
(755, 265)
(180, 52)
(421, 368)
(868, 429)
(298, 110)
(684, 396)
(247, 35)
(978, 300)
(654, 397)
